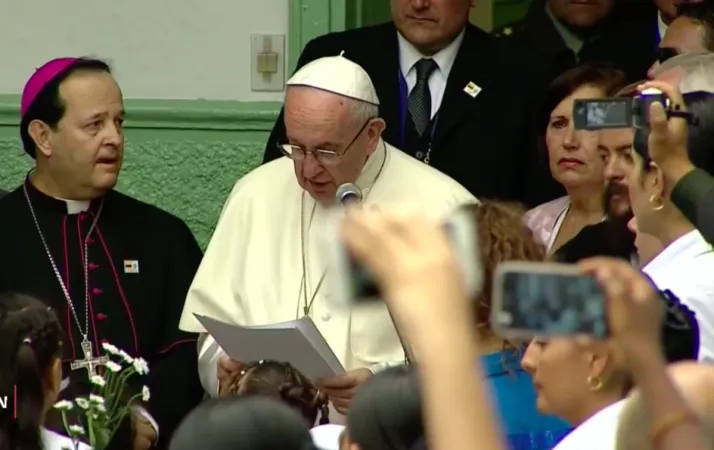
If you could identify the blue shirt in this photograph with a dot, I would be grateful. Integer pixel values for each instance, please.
(515, 399)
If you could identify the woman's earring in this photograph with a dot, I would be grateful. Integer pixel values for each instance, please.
(594, 382)
(653, 201)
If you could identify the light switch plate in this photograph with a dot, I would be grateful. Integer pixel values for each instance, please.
(261, 44)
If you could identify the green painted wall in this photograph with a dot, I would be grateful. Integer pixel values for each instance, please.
(183, 156)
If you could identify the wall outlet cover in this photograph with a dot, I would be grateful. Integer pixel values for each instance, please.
(267, 63)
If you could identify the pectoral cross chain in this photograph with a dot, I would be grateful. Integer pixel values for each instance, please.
(89, 363)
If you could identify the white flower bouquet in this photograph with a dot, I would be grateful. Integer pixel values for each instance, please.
(101, 413)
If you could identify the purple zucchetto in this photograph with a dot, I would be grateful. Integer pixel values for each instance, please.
(40, 78)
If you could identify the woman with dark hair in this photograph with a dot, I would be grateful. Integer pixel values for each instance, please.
(678, 258)
(245, 423)
(572, 156)
(30, 366)
(281, 381)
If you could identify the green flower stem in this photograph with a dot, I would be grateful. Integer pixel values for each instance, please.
(116, 420)
(90, 430)
(116, 396)
(66, 428)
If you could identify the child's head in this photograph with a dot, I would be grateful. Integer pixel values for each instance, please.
(30, 351)
(386, 413)
(284, 382)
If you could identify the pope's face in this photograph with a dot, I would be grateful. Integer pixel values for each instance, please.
(430, 25)
(87, 147)
(318, 120)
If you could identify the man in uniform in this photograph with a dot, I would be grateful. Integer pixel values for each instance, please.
(561, 34)
(116, 270)
(452, 95)
(265, 263)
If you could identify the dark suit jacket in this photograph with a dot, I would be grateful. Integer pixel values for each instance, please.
(2, 193)
(481, 142)
(627, 40)
(694, 195)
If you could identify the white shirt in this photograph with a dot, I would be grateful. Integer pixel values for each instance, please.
(54, 441)
(661, 26)
(444, 59)
(327, 437)
(599, 432)
(251, 273)
(686, 267)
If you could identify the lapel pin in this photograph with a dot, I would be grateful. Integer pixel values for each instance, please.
(472, 89)
(131, 266)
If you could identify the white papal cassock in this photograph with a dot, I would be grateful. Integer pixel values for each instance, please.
(686, 267)
(252, 270)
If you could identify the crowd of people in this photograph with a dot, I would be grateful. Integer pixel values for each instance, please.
(444, 117)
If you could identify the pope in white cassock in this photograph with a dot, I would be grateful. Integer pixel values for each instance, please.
(265, 264)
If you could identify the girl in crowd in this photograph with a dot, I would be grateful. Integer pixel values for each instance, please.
(30, 352)
(573, 157)
(502, 236)
(386, 413)
(281, 381)
(244, 422)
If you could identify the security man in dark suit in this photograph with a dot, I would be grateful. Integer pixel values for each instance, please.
(561, 34)
(2, 193)
(452, 95)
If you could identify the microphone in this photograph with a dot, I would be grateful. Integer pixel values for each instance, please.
(348, 193)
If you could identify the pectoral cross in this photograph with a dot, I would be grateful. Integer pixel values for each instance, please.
(89, 363)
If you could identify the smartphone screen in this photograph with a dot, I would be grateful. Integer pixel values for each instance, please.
(600, 114)
(364, 285)
(461, 232)
(545, 304)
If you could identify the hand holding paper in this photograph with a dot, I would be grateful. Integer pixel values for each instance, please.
(298, 342)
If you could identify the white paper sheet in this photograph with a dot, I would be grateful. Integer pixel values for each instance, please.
(298, 342)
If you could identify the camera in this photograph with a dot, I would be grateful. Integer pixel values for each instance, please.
(607, 113)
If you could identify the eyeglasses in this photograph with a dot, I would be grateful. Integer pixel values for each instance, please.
(326, 157)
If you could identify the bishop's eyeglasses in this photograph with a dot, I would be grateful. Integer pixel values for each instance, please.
(326, 157)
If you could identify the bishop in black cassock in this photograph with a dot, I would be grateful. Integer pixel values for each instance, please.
(114, 268)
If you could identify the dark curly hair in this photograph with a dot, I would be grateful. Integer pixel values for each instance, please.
(284, 382)
(502, 236)
(30, 344)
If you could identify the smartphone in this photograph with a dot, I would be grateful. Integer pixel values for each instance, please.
(603, 113)
(351, 283)
(546, 299)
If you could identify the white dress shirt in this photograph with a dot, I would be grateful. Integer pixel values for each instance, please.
(661, 26)
(686, 267)
(599, 432)
(444, 59)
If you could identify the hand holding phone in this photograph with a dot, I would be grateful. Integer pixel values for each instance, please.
(352, 283)
(545, 299)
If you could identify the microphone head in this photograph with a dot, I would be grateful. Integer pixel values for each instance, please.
(348, 192)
